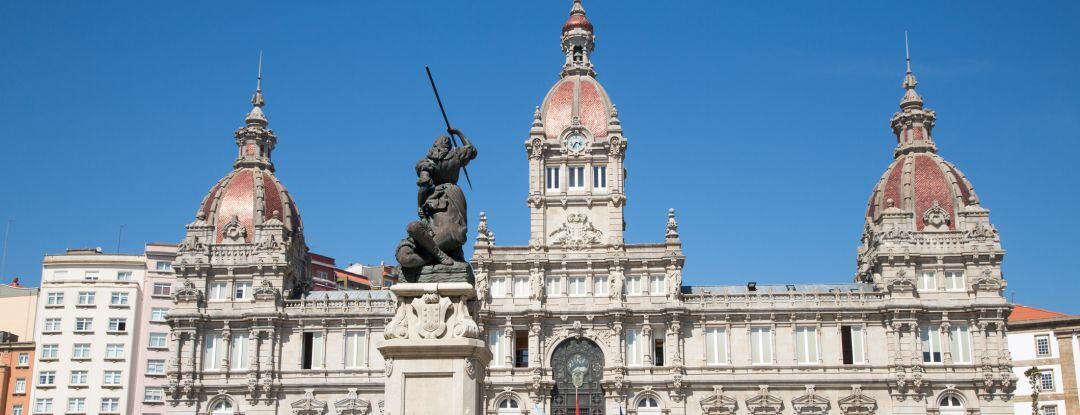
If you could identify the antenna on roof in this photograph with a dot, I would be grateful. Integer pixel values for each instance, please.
(3, 256)
(118, 236)
(907, 52)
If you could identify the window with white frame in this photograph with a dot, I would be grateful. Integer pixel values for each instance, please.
(118, 298)
(43, 405)
(599, 181)
(162, 289)
(954, 280)
(117, 324)
(163, 266)
(575, 285)
(498, 287)
(1042, 345)
(47, 378)
(18, 410)
(1046, 380)
(51, 325)
(242, 290)
(112, 377)
(222, 407)
(551, 286)
(114, 351)
(50, 351)
(497, 345)
(219, 291)
(79, 377)
(961, 344)
(806, 345)
(153, 394)
(950, 405)
(656, 284)
(633, 285)
(80, 351)
(20, 386)
(238, 346)
(576, 174)
(155, 367)
(86, 297)
(927, 281)
(23, 360)
(509, 406)
(852, 345)
(157, 314)
(521, 287)
(355, 349)
(212, 351)
(91, 276)
(54, 299)
(600, 286)
(761, 345)
(123, 276)
(635, 347)
(931, 344)
(552, 178)
(84, 324)
(314, 345)
(1049, 410)
(648, 405)
(158, 341)
(716, 346)
(110, 405)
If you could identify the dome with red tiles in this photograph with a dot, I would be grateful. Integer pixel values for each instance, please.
(576, 100)
(577, 19)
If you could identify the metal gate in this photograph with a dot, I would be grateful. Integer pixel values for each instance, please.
(578, 366)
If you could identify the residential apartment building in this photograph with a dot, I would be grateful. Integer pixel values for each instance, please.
(147, 394)
(17, 306)
(86, 340)
(1049, 341)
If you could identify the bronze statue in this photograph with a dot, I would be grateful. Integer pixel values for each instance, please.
(433, 250)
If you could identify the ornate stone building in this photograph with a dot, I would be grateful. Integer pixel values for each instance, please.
(580, 319)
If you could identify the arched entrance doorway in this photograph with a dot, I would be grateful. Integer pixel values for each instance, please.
(578, 366)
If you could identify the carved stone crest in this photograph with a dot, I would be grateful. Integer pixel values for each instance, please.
(234, 231)
(577, 233)
(936, 218)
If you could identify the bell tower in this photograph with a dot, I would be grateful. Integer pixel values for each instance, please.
(576, 150)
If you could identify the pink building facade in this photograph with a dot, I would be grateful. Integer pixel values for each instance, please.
(147, 394)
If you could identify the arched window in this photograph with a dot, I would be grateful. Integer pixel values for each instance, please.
(951, 405)
(222, 407)
(648, 405)
(509, 406)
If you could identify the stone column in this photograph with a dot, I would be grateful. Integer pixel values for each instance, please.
(1068, 371)
(434, 359)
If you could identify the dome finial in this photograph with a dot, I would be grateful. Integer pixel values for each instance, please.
(911, 98)
(577, 9)
(256, 115)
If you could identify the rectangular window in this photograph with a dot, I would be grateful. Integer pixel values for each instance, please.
(219, 291)
(521, 349)
(79, 377)
(1042, 346)
(123, 276)
(24, 360)
(43, 406)
(313, 351)
(551, 287)
(635, 347)
(162, 289)
(163, 266)
(1046, 380)
(18, 410)
(521, 287)
(656, 284)
(498, 287)
(599, 177)
(552, 182)
(658, 348)
(806, 348)
(110, 405)
(112, 377)
(600, 288)
(355, 349)
(81, 351)
(76, 405)
(497, 346)
(91, 276)
(84, 324)
(576, 174)
(1050, 410)
(86, 297)
(155, 367)
(54, 299)
(50, 351)
(238, 351)
(47, 377)
(954, 280)
(851, 339)
(961, 344)
(761, 345)
(716, 346)
(927, 281)
(211, 356)
(633, 286)
(576, 285)
(52, 325)
(931, 344)
(20, 385)
(118, 324)
(59, 275)
(243, 290)
(158, 314)
(118, 299)
(153, 394)
(158, 341)
(114, 351)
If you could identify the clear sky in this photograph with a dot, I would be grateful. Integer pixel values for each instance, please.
(765, 124)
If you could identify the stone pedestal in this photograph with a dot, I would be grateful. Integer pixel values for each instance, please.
(435, 360)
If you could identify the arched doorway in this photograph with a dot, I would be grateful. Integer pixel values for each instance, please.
(578, 366)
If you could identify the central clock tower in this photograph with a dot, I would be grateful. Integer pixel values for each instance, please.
(576, 150)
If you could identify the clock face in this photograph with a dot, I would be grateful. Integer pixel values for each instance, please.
(575, 142)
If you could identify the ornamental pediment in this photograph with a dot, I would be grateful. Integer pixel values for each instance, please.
(578, 232)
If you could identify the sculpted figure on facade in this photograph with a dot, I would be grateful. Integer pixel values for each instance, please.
(433, 252)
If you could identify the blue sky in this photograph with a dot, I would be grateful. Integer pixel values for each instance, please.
(764, 124)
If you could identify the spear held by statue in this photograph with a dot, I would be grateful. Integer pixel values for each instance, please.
(449, 130)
